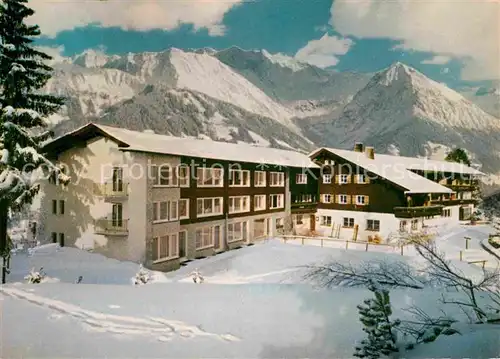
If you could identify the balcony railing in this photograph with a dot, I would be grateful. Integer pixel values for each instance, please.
(422, 211)
(461, 187)
(304, 206)
(111, 227)
(454, 201)
(110, 190)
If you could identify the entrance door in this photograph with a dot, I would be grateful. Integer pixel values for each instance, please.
(217, 241)
(182, 244)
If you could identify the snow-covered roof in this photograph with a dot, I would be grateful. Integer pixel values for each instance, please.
(416, 163)
(191, 147)
(389, 168)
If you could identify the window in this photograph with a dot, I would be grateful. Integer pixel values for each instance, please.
(361, 200)
(298, 219)
(54, 206)
(301, 178)
(165, 211)
(239, 204)
(173, 210)
(277, 179)
(343, 179)
(237, 232)
(446, 212)
(361, 179)
(54, 237)
(326, 221)
(259, 202)
(208, 206)
(326, 198)
(117, 179)
(280, 223)
(160, 211)
(342, 198)
(403, 226)
(348, 222)
(183, 174)
(165, 247)
(260, 179)
(117, 215)
(164, 175)
(209, 177)
(239, 178)
(373, 225)
(61, 206)
(183, 208)
(303, 198)
(414, 224)
(276, 201)
(327, 178)
(205, 237)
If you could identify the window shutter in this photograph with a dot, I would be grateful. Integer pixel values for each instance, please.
(367, 200)
(337, 178)
(367, 180)
(349, 180)
(349, 199)
(355, 178)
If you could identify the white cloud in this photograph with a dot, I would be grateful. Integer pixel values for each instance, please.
(55, 52)
(57, 15)
(467, 29)
(324, 52)
(437, 60)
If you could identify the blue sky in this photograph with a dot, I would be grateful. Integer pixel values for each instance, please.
(284, 26)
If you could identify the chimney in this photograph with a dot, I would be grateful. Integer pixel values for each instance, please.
(370, 152)
(358, 147)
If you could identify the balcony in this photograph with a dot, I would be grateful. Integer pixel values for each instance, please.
(461, 187)
(415, 212)
(111, 227)
(304, 207)
(454, 202)
(112, 191)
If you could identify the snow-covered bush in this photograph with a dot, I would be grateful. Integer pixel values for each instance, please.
(375, 316)
(143, 276)
(197, 277)
(35, 277)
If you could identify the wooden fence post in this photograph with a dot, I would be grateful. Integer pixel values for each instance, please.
(366, 249)
(302, 240)
(346, 244)
(461, 256)
(402, 250)
(467, 242)
(355, 233)
(321, 241)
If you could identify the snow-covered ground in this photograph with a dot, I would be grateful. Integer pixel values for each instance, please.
(253, 303)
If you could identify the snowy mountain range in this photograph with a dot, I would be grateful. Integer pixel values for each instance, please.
(273, 100)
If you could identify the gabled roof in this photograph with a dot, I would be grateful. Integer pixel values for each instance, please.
(415, 163)
(390, 169)
(179, 146)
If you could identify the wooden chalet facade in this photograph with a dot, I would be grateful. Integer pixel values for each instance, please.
(162, 200)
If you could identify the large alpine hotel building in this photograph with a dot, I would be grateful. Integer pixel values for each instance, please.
(162, 200)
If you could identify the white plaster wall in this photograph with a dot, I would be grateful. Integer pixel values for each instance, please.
(388, 223)
(88, 167)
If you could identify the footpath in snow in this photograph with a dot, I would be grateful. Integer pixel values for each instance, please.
(253, 304)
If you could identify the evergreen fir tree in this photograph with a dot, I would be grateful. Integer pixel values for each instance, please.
(23, 108)
(375, 317)
(458, 155)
